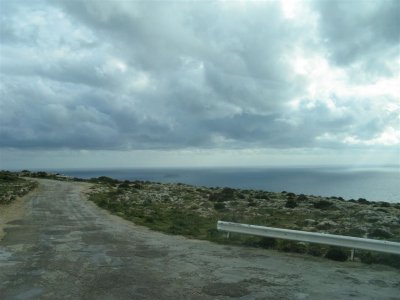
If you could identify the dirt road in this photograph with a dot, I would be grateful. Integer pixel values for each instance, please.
(64, 247)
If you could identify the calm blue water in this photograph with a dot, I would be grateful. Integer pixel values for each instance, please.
(375, 184)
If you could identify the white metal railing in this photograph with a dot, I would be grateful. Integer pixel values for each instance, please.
(312, 237)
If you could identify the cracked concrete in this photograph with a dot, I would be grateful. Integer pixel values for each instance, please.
(64, 247)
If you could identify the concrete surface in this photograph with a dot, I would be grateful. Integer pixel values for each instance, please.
(64, 247)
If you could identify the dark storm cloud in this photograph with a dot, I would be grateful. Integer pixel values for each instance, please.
(174, 75)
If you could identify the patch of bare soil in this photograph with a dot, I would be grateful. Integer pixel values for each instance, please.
(13, 211)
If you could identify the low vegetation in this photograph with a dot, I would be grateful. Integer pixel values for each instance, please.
(13, 186)
(193, 212)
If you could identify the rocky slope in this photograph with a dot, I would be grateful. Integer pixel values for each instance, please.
(12, 187)
(193, 211)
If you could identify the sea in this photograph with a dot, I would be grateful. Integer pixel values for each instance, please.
(371, 183)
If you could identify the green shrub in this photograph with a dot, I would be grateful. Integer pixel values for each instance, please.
(251, 203)
(184, 224)
(104, 179)
(363, 201)
(380, 233)
(7, 176)
(337, 254)
(262, 195)
(302, 197)
(213, 233)
(292, 246)
(149, 220)
(251, 241)
(124, 185)
(316, 250)
(226, 194)
(291, 203)
(267, 242)
(233, 217)
(323, 204)
(219, 206)
(41, 174)
(241, 196)
(367, 257)
(353, 231)
(137, 185)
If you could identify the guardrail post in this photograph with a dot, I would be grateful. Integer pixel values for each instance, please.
(352, 254)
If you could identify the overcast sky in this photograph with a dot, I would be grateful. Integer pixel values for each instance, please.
(88, 83)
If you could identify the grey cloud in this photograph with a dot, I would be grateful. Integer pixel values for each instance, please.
(363, 121)
(155, 36)
(154, 75)
(366, 33)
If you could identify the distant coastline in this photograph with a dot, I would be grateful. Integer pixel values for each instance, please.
(371, 183)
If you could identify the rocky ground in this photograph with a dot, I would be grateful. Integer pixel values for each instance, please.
(12, 186)
(193, 211)
(61, 246)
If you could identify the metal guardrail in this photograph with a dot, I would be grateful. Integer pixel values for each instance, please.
(312, 237)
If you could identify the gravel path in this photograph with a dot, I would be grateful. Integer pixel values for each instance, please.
(64, 247)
